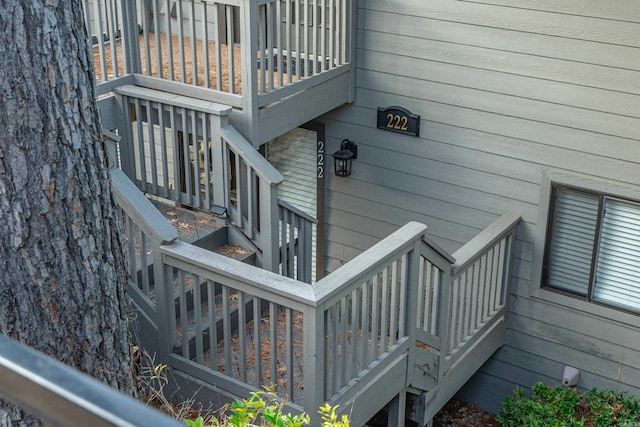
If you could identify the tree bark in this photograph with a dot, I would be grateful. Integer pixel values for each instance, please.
(61, 268)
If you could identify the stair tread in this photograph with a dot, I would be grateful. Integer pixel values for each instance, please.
(191, 225)
(201, 229)
(235, 252)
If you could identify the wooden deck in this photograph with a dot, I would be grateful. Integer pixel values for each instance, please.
(204, 53)
(156, 52)
(203, 45)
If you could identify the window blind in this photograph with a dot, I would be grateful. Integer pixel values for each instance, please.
(572, 240)
(617, 275)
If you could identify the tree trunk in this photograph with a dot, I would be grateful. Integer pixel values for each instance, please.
(61, 269)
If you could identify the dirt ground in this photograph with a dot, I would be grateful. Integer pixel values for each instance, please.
(455, 414)
(461, 414)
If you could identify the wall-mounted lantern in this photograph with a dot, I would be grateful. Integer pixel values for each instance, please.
(342, 159)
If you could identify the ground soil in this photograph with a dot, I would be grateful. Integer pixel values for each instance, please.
(455, 414)
(460, 414)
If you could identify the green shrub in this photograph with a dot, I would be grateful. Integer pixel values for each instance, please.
(566, 407)
(263, 409)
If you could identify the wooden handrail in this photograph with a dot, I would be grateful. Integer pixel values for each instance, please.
(140, 209)
(297, 211)
(251, 156)
(173, 99)
(488, 237)
(336, 283)
(245, 277)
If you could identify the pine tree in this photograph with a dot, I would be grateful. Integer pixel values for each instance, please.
(62, 276)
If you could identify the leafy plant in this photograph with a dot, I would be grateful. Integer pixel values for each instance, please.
(329, 417)
(198, 422)
(262, 408)
(566, 407)
(245, 411)
(607, 408)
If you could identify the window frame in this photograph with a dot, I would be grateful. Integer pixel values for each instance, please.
(537, 290)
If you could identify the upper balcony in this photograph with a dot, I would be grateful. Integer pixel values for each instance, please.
(278, 63)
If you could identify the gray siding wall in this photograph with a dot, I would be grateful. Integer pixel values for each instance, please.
(294, 155)
(510, 92)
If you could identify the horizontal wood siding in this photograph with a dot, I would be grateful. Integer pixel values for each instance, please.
(294, 156)
(507, 90)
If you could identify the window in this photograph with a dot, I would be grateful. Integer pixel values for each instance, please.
(593, 247)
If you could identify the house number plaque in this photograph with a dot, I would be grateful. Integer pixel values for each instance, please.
(398, 119)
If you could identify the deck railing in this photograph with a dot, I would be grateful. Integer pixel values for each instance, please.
(183, 150)
(297, 39)
(351, 338)
(170, 145)
(233, 325)
(144, 230)
(295, 242)
(480, 278)
(230, 46)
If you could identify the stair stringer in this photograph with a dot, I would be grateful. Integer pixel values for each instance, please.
(143, 327)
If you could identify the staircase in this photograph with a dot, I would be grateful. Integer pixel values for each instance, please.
(201, 230)
(404, 322)
(205, 230)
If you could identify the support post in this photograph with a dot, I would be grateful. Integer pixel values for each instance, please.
(249, 48)
(220, 163)
(123, 123)
(412, 280)
(314, 362)
(396, 414)
(269, 226)
(165, 314)
(129, 35)
(444, 320)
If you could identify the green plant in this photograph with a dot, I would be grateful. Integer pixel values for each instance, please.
(607, 408)
(245, 411)
(566, 407)
(265, 410)
(329, 417)
(198, 422)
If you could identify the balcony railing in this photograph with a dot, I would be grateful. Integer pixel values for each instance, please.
(207, 43)
(246, 54)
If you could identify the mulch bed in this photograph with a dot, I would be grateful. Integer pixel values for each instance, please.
(455, 413)
(460, 414)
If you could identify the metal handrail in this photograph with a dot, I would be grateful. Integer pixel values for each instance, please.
(61, 395)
